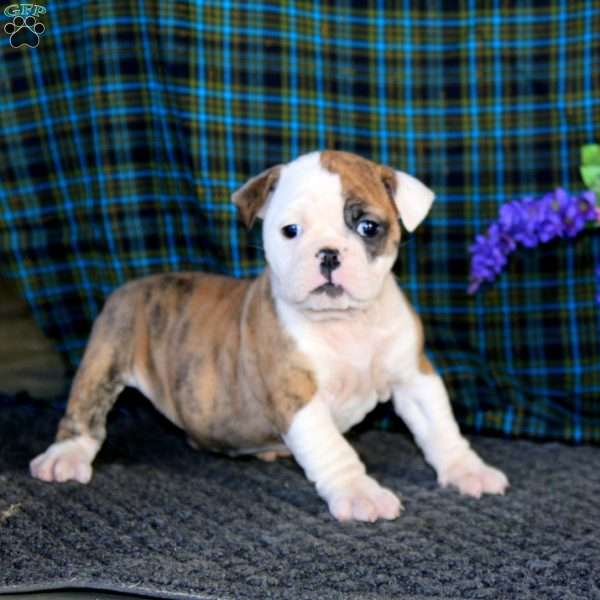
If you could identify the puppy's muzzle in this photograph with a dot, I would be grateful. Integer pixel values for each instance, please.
(330, 261)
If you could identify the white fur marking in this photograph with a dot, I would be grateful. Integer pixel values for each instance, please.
(356, 360)
(67, 460)
(424, 406)
(334, 466)
(413, 200)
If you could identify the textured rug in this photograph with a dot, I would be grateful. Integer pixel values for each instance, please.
(164, 520)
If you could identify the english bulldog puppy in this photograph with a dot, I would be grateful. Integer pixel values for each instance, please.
(289, 361)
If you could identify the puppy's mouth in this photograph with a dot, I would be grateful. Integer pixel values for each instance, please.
(329, 289)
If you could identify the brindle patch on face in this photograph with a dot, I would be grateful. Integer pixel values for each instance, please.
(355, 211)
(366, 196)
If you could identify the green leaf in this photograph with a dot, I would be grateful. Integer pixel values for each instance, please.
(590, 167)
(591, 177)
(590, 154)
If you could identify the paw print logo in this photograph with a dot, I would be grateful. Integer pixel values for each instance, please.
(24, 32)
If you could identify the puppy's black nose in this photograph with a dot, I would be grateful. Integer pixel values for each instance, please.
(330, 260)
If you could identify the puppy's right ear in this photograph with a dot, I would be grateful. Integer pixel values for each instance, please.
(251, 198)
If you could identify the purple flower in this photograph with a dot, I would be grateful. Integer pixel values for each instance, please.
(550, 223)
(528, 222)
(517, 222)
(570, 214)
(490, 254)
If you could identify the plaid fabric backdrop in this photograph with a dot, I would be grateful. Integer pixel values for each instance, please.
(124, 132)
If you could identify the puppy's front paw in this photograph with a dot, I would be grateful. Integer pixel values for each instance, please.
(473, 477)
(363, 499)
(66, 460)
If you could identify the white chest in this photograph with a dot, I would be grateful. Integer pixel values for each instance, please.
(347, 362)
(358, 360)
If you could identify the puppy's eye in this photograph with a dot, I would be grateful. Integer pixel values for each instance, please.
(291, 231)
(367, 228)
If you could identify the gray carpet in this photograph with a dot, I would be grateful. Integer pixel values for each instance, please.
(163, 520)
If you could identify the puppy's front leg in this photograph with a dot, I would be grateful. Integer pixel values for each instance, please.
(334, 466)
(423, 404)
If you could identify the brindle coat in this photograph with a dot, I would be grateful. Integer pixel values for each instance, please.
(207, 350)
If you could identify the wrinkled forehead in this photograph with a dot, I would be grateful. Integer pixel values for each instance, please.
(323, 175)
(362, 180)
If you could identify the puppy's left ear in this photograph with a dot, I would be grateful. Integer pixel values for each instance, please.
(252, 197)
(412, 198)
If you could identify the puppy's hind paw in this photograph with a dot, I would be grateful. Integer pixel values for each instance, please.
(67, 460)
(364, 500)
(472, 477)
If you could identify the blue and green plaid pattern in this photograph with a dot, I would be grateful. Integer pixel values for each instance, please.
(124, 132)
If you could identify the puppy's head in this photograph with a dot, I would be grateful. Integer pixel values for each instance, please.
(331, 227)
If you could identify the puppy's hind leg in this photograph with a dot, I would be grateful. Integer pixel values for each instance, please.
(83, 428)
